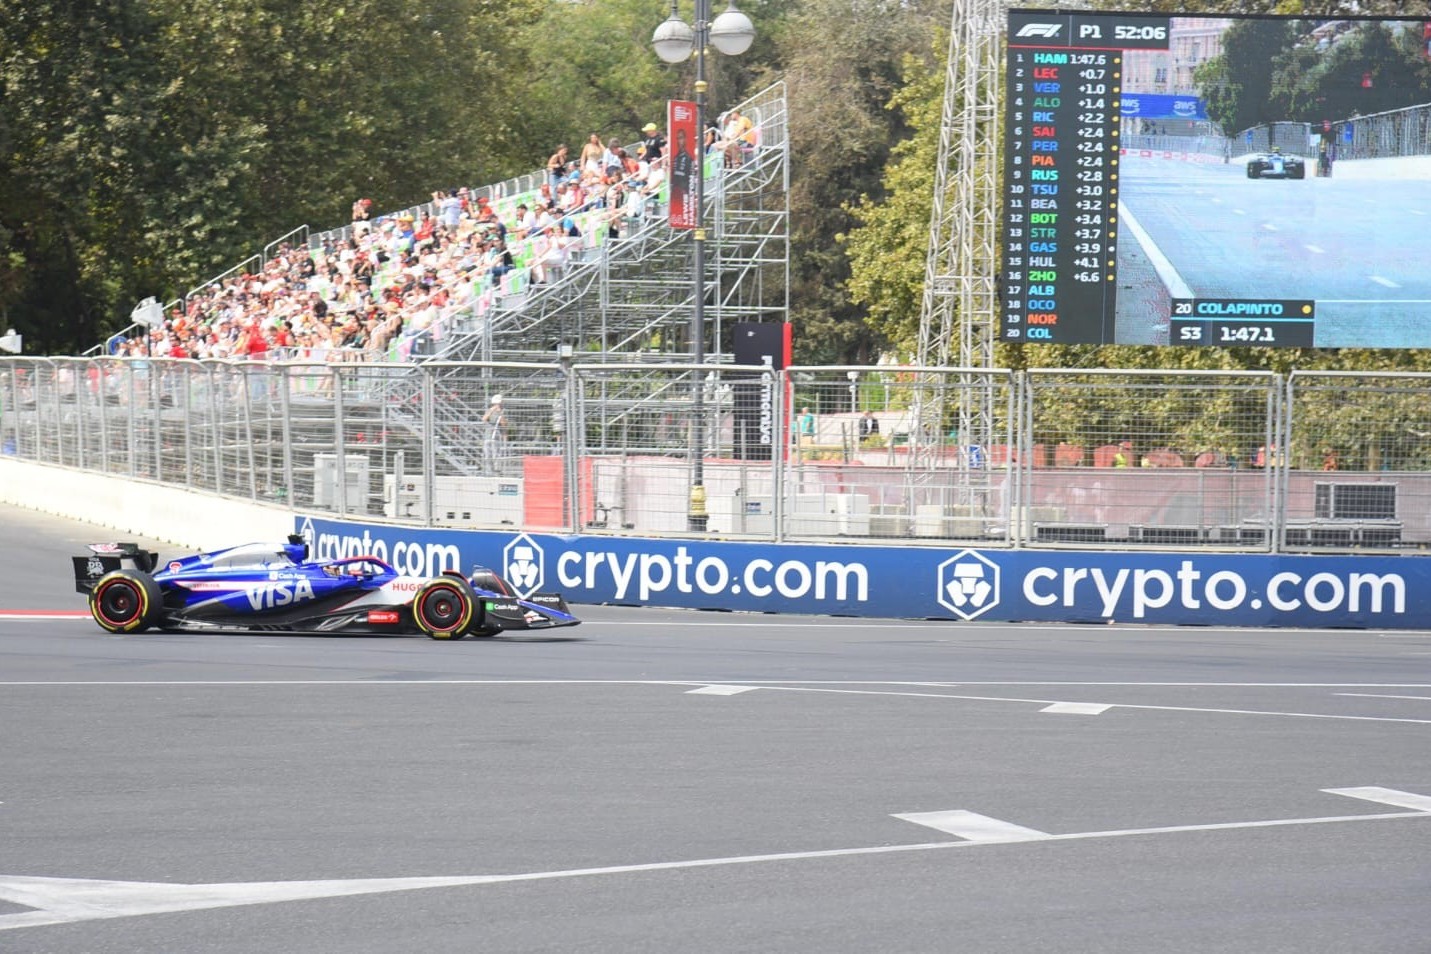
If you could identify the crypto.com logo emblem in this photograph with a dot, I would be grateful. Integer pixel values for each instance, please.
(522, 561)
(968, 584)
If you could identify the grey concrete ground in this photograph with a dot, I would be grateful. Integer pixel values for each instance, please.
(667, 781)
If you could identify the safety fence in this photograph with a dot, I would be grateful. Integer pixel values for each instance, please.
(1395, 133)
(1100, 459)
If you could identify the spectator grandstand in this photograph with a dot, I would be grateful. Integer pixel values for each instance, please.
(379, 290)
(465, 278)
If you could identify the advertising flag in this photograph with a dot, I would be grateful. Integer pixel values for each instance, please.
(681, 119)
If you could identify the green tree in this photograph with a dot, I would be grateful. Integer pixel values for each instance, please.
(888, 242)
(1238, 86)
(146, 147)
(843, 63)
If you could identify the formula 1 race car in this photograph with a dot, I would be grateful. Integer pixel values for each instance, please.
(267, 588)
(1274, 165)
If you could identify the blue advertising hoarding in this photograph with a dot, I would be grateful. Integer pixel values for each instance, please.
(1213, 589)
(1161, 106)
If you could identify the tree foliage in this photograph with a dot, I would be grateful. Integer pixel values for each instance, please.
(147, 146)
(843, 63)
(888, 242)
(1341, 71)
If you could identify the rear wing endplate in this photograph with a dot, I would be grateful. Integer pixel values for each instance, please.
(107, 557)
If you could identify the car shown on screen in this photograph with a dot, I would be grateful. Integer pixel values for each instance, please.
(277, 588)
(1274, 165)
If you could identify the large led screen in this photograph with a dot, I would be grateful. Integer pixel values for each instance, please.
(1224, 181)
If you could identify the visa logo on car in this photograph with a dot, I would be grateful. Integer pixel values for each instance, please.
(278, 594)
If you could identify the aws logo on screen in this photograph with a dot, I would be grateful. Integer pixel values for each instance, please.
(968, 584)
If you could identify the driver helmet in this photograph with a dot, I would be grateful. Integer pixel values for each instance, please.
(1276, 150)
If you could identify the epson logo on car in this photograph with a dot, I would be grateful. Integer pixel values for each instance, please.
(273, 595)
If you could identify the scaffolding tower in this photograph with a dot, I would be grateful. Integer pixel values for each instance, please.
(960, 274)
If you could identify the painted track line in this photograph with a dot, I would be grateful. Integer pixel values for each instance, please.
(1115, 705)
(694, 683)
(1177, 288)
(56, 908)
(43, 615)
(730, 689)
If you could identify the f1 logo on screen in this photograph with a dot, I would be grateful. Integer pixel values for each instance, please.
(1046, 30)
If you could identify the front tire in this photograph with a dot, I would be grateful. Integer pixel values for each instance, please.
(445, 608)
(125, 601)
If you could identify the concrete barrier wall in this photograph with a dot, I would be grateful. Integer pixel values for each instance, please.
(185, 518)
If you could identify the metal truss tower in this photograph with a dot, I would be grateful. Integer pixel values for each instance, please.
(960, 273)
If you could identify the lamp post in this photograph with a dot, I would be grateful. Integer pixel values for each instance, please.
(674, 41)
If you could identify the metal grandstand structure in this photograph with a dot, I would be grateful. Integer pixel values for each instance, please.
(633, 296)
(627, 301)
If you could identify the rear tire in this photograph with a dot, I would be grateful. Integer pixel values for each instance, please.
(445, 608)
(126, 601)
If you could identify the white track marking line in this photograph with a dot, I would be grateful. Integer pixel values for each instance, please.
(1270, 226)
(1077, 708)
(66, 900)
(1380, 695)
(972, 826)
(807, 687)
(761, 683)
(1115, 705)
(1315, 249)
(60, 616)
(1386, 796)
(1177, 288)
(1386, 282)
(721, 690)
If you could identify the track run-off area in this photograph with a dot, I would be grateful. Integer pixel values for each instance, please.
(657, 780)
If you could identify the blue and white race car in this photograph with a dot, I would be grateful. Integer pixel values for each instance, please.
(1274, 165)
(267, 588)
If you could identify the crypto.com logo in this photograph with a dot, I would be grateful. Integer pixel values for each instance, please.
(523, 565)
(968, 584)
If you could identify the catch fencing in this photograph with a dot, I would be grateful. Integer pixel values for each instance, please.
(1243, 461)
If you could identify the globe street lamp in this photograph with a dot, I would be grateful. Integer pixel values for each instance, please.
(674, 41)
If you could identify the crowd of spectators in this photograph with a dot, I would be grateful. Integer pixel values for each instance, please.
(384, 290)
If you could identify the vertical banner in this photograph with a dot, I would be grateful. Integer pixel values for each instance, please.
(681, 120)
(757, 343)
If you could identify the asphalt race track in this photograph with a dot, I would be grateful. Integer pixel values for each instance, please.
(658, 781)
(1355, 246)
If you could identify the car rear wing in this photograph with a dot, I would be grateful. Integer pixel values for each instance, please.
(107, 557)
